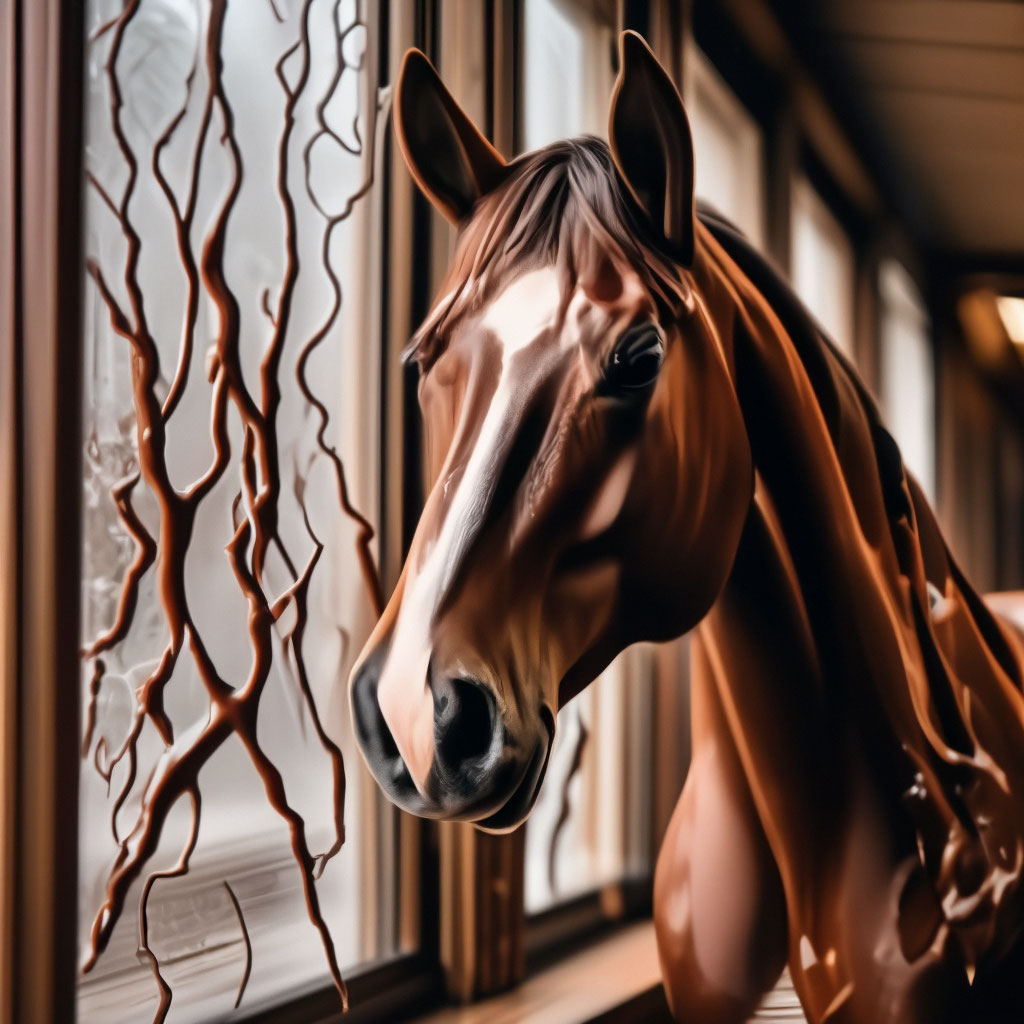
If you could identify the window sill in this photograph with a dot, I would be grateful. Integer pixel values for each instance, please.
(616, 979)
(613, 980)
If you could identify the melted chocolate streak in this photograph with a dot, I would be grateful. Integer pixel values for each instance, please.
(564, 808)
(245, 939)
(233, 710)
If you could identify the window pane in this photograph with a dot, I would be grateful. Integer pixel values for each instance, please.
(567, 72)
(908, 373)
(231, 358)
(728, 149)
(591, 823)
(823, 266)
(589, 826)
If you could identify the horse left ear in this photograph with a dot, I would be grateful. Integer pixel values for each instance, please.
(453, 164)
(651, 144)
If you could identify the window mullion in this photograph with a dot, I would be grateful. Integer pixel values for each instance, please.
(40, 107)
(482, 919)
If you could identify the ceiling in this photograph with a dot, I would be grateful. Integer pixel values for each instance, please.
(936, 88)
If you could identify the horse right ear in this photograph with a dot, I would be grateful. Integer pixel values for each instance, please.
(453, 164)
(650, 141)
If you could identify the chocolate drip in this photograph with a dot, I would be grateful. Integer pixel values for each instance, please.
(564, 809)
(233, 707)
(90, 710)
(245, 938)
(145, 553)
(145, 952)
(365, 535)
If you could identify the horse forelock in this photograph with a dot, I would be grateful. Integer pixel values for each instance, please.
(560, 206)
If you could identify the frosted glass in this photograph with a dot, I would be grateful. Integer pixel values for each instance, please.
(823, 267)
(237, 144)
(908, 373)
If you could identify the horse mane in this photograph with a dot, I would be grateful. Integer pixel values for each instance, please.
(842, 396)
(910, 656)
(560, 205)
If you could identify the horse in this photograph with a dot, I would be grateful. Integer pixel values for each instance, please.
(634, 429)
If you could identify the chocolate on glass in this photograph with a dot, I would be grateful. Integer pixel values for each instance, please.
(229, 148)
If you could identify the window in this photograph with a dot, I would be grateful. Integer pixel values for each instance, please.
(823, 268)
(590, 827)
(907, 373)
(567, 50)
(728, 148)
(231, 376)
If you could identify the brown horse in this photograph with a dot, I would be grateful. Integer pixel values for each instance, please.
(633, 427)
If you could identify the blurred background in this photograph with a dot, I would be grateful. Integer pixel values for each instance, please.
(873, 150)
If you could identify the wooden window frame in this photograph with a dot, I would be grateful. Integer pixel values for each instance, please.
(41, 42)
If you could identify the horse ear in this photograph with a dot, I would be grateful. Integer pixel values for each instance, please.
(452, 162)
(651, 144)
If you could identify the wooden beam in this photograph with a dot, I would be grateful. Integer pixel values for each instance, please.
(505, 76)
(10, 576)
(40, 261)
(482, 917)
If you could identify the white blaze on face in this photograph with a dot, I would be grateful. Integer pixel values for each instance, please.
(524, 317)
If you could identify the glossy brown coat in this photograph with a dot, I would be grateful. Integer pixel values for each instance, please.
(855, 805)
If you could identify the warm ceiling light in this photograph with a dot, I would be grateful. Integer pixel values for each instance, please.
(1011, 312)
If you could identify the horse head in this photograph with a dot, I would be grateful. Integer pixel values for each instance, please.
(589, 465)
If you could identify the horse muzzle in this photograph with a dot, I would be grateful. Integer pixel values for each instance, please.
(482, 771)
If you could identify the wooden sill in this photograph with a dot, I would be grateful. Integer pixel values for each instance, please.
(613, 980)
(616, 979)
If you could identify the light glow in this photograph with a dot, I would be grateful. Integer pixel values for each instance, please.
(1011, 312)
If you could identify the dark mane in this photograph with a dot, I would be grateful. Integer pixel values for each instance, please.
(827, 367)
(928, 721)
(841, 393)
(562, 205)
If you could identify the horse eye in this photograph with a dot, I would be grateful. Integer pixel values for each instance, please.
(635, 361)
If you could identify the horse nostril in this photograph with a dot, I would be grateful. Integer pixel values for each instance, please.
(371, 728)
(465, 719)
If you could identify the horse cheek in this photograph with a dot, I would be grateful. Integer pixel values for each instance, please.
(700, 480)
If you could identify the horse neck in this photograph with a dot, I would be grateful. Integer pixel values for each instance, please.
(821, 519)
(851, 543)
(828, 473)
(858, 712)
(814, 436)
